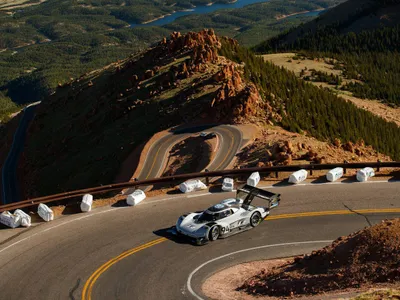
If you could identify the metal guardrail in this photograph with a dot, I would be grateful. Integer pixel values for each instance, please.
(180, 178)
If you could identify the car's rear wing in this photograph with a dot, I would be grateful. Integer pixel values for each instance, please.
(253, 192)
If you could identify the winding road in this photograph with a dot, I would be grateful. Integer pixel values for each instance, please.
(126, 253)
(9, 170)
(230, 139)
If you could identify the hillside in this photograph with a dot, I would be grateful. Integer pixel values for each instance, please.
(351, 16)
(369, 256)
(49, 43)
(84, 131)
(362, 37)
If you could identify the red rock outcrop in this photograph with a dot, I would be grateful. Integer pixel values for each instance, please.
(348, 147)
(193, 40)
(234, 102)
(228, 72)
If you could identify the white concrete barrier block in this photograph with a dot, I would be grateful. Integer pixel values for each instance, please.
(45, 212)
(191, 186)
(228, 185)
(253, 179)
(10, 219)
(25, 218)
(364, 174)
(298, 176)
(135, 198)
(86, 204)
(334, 174)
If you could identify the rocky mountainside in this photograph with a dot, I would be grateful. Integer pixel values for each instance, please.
(82, 133)
(88, 127)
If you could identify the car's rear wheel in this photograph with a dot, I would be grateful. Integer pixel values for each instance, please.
(255, 219)
(214, 233)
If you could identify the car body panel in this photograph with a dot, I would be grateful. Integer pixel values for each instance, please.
(231, 215)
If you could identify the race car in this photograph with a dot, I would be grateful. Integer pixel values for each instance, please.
(229, 217)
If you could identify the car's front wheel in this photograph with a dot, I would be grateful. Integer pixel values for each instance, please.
(255, 219)
(214, 233)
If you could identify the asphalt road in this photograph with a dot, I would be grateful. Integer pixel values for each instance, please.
(122, 252)
(230, 139)
(9, 170)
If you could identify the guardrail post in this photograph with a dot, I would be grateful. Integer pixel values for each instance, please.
(379, 165)
(207, 178)
(311, 170)
(344, 169)
(276, 174)
(135, 187)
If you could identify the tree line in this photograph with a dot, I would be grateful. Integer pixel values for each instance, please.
(371, 56)
(306, 108)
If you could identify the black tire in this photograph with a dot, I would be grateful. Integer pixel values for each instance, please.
(214, 233)
(255, 219)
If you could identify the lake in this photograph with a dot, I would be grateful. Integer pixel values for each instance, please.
(198, 10)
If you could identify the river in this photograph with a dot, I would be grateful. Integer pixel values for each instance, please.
(203, 9)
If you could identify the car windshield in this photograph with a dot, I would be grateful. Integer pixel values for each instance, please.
(206, 216)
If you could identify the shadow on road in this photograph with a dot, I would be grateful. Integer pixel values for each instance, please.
(196, 129)
(174, 192)
(166, 233)
(2, 226)
(71, 209)
(282, 183)
(351, 179)
(216, 189)
(395, 176)
(319, 180)
(120, 203)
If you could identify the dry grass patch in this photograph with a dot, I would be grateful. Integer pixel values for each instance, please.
(15, 4)
(379, 295)
(302, 67)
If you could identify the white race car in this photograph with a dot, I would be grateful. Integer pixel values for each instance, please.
(231, 216)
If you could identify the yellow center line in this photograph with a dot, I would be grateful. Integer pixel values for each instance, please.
(155, 158)
(332, 213)
(88, 287)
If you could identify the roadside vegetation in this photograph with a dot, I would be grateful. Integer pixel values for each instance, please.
(7, 107)
(381, 294)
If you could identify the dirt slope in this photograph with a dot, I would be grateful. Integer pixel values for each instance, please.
(367, 257)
